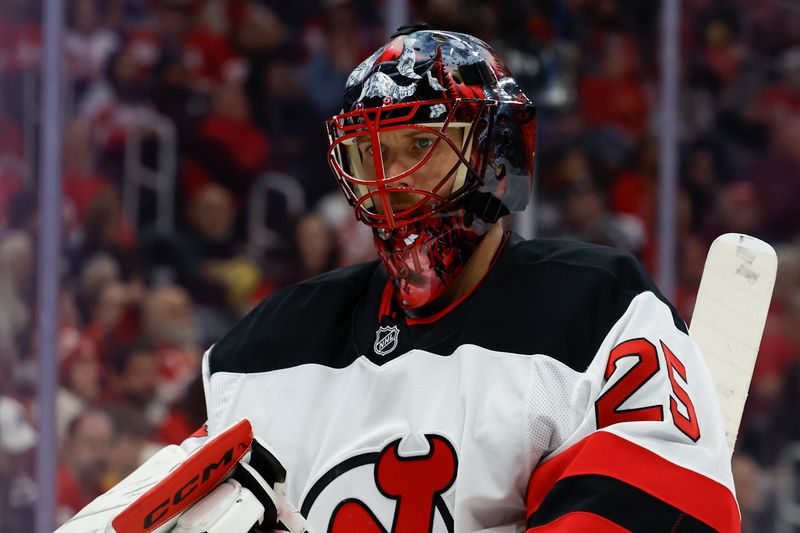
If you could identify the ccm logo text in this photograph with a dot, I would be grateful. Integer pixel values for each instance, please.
(186, 489)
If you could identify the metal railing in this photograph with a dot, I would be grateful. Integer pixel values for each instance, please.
(139, 176)
(262, 237)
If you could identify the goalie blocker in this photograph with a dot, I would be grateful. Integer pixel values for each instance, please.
(232, 483)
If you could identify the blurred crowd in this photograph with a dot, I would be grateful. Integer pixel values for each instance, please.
(220, 104)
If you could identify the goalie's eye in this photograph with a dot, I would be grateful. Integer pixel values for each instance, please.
(365, 148)
(423, 143)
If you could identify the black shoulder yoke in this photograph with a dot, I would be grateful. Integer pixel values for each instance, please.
(306, 323)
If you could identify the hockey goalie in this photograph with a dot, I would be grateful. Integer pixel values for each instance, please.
(467, 380)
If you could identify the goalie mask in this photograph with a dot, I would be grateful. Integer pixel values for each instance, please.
(434, 144)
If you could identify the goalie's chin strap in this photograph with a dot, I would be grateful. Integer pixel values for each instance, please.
(486, 206)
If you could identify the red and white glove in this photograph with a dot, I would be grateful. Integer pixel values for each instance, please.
(232, 483)
(252, 499)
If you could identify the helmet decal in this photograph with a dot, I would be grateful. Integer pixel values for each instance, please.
(405, 64)
(385, 83)
(360, 72)
(379, 84)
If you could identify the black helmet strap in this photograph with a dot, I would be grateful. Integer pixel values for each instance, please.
(486, 206)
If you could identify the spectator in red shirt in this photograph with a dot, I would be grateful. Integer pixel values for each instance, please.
(780, 345)
(12, 164)
(614, 96)
(79, 371)
(113, 320)
(84, 461)
(776, 180)
(737, 209)
(228, 149)
(82, 183)
(634, 192)
(184, 416)
(779, 100)
(170, 328)
(210, 59)
(135, 384)
(117, 106)
(256, 29)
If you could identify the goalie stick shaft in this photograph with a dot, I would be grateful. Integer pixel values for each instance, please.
(729, 317)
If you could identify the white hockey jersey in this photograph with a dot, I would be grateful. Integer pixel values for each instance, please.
(562, 394)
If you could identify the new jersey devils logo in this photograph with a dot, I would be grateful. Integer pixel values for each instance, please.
(404, 496)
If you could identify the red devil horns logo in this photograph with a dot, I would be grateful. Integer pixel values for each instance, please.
(414, 482)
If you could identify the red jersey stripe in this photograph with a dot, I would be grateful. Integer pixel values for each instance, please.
(604, 453)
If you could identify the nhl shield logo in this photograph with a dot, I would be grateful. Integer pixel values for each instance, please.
(386, 339)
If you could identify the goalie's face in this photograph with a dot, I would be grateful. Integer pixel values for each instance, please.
(418, 167)
(397, 170)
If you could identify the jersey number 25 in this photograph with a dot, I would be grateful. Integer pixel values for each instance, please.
(607, 405)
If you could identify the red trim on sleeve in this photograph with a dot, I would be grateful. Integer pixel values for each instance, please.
(579, 521)
(202, 431)
(606, 454)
